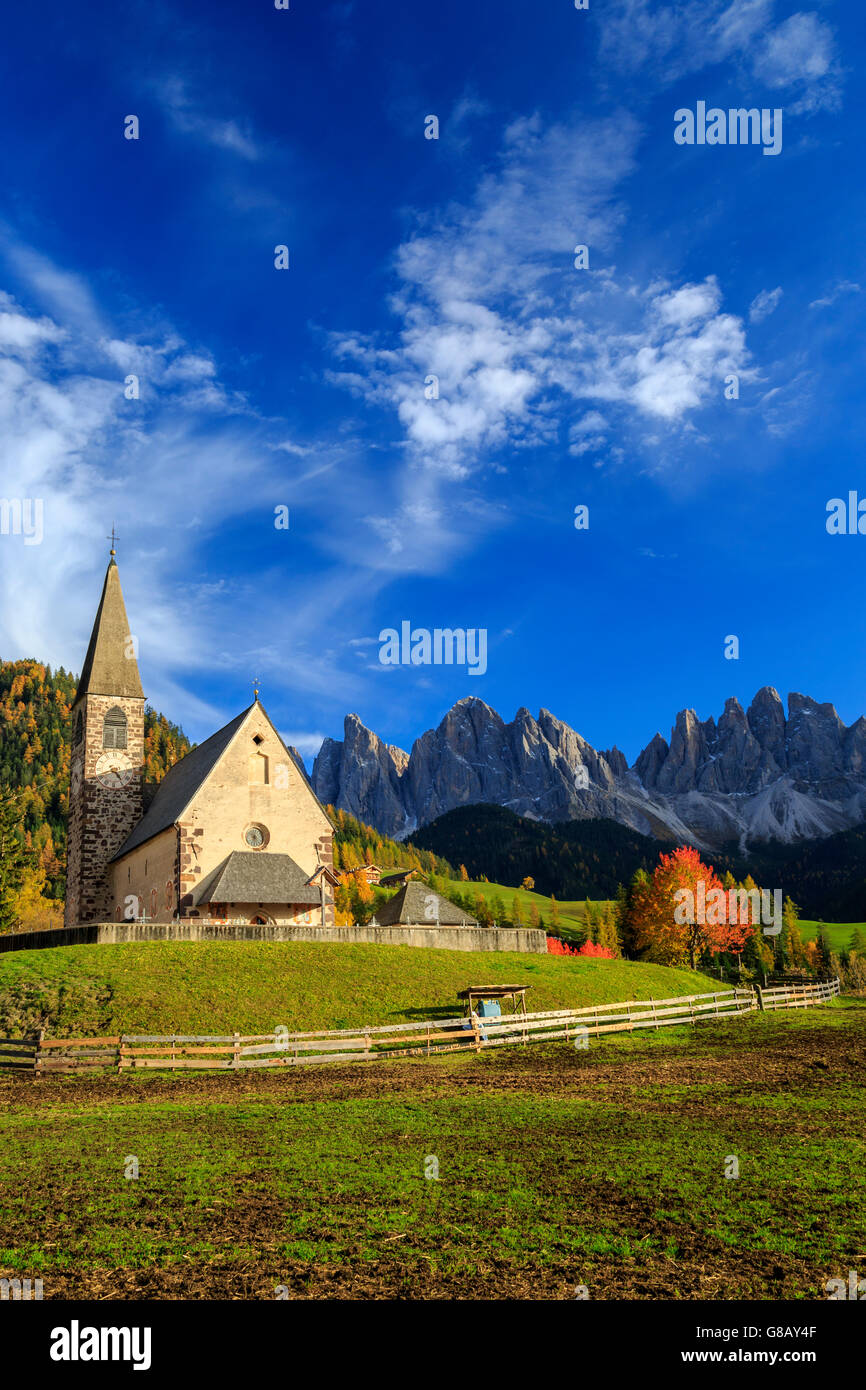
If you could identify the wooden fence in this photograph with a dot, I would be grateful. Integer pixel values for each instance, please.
(18, 1054)
(797, 995)
(222, 1052)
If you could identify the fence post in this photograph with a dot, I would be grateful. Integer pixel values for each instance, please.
(760, 994)
(655, 1015)
(236, 1049)
(37, 1050)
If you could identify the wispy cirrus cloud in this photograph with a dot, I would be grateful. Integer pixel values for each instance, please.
(764, 304)
(668, 42)
(176, 468)
(191, 115)
(499, 337)
(842, 288)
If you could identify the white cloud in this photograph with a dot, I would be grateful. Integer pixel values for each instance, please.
(489, 304)
(22, 335)
(307, 745)
(764, 304)
(177, 470)
(799, 54)
(843, 287)
(188, 115)
(668, 42)
(672, 40)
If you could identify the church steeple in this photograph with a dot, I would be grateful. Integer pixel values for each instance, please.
(106, 757)
(110, 667)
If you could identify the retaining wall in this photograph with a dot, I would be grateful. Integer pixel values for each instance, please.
(530, 940)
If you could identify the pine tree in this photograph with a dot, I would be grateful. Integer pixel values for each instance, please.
(608, 934)
(824, 950)
(633, 898)
(592, 921)
(516, 912)
(14, 860)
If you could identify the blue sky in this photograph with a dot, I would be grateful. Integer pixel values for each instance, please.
(558, 386)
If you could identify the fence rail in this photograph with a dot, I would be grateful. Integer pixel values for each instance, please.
(797, 996)
(237, 1051)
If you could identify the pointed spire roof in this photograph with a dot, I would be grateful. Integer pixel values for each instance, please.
(107, 669)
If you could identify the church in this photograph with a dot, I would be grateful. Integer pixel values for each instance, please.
(232, 834)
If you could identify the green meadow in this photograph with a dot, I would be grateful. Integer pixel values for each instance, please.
(719, 1162)
(217, 987)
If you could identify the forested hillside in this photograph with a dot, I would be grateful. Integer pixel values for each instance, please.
(589, 858)
(356, 844)
(573, 859)
(34, 759)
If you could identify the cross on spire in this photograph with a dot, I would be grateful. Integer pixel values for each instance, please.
(114, 539)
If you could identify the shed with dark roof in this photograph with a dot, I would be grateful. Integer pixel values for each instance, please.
(417, 905)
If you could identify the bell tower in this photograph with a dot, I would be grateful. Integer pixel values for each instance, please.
(106, 767)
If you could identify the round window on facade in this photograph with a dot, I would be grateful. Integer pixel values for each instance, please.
(256, 836)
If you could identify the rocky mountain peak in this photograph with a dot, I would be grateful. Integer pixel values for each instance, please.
(754, 772)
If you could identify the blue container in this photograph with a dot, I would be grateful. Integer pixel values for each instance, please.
(489, 1008)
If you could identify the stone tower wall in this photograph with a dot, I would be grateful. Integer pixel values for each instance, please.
(100, 817)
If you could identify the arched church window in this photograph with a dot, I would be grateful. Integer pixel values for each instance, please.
(114, 729)
(78, 733)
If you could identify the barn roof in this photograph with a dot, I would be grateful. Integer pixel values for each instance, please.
(250, 876)
(410, 907)
(397, 876)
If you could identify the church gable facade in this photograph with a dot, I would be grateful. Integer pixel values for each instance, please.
(234, 832)
(240, 818)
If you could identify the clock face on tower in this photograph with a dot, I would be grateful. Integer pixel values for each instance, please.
(114, 769)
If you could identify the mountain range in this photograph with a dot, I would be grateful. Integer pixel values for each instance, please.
(754, 775)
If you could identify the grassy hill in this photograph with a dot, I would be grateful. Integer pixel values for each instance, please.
(570, 913)
(217, 987)
(839, 934)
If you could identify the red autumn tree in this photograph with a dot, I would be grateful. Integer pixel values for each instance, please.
(592, 948)
(556, 947)
(683, 911)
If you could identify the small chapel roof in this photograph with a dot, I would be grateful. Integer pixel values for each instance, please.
(180, 785)
(409, 908)
(250, 876)
(110, 668)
